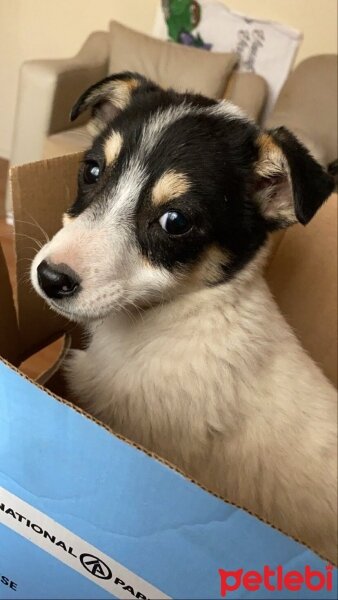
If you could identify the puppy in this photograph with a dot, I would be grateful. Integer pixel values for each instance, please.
(161, 255)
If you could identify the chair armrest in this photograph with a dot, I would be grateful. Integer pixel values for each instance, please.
(307, 105)
(248, 91)
(47, 91)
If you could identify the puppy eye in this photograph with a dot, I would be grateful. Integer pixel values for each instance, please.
(174, 223)
(91, 172)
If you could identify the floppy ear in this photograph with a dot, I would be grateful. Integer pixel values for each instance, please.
(290, 185)
(110, 96)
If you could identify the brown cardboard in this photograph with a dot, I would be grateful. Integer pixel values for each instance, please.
(9, 332)
(302, 275)
(41, 193)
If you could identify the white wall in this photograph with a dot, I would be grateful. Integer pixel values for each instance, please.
(57, 28)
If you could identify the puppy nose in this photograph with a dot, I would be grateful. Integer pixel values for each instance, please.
(57, 281)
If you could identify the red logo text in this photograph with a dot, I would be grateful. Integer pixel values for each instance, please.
(277, 579)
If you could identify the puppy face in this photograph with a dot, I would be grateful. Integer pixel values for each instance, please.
(177, 192)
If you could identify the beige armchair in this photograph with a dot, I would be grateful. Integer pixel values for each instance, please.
(48, 89)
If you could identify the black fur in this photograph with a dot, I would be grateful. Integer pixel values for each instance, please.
(93, 101)
(333, 171)
(311, 184)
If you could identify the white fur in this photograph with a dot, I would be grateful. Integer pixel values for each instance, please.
(159, 122)
(216, 382)
(110, 280)
(227, 109)
(161, 119)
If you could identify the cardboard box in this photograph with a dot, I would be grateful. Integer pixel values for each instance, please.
(86, 514)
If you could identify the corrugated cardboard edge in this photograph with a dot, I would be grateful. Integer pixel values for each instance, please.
(31, 185)
(9, 331)
(302, 277)
(47, 375)
(162, 461)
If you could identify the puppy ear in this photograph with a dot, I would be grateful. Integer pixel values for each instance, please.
(109, 96)
(290, 185)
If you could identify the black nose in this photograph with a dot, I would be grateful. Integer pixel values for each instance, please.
(57, 281)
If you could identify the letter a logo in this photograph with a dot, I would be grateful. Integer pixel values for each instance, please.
(95, 566)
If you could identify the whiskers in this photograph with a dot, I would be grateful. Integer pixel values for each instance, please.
(130, 311)
(38, 243)
(35, 223)
(24, 270)
(25, 253)
(36, 240)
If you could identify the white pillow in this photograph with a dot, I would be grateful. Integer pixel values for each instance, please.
(264, 47)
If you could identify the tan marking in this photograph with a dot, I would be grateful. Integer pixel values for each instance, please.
(209, 270)
(66, 219)
(122, 91)
(118, 92)
(133, 84)
(276, 200)
(112, 147)
(170, 185)
(271, 159)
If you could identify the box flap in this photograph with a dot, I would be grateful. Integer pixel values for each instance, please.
(42, 191)
(9, 333)
(302, 275)
(85, 514)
